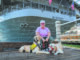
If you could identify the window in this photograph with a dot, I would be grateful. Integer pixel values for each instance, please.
(57, 10)
(61, 12)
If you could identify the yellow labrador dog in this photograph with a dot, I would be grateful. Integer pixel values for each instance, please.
(34, 48)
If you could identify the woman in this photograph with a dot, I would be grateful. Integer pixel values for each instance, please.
(44, 33)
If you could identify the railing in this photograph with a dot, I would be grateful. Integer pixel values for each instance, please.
(37, 5)
(72, 35)
(77, 11)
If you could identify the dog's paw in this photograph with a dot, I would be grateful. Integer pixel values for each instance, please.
(24, 51)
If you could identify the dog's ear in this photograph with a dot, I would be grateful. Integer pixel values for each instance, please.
(23, 51)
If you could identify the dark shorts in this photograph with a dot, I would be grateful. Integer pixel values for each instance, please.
(46, 44)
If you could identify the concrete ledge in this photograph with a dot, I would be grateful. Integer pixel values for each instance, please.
(15, 45)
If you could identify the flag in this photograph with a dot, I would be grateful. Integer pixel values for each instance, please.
(50, 1)
(72, 5)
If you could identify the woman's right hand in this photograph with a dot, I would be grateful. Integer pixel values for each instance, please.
(44, 40)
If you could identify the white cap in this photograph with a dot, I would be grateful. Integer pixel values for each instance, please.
(42, 21)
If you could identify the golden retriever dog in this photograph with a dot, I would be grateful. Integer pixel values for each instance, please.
(55, 47)
(34, 48)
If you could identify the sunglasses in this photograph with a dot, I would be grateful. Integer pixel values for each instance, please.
(42, 23)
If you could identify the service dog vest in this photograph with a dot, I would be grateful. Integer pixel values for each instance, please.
(33, 46)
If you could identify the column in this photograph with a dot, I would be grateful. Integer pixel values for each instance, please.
(58, 30)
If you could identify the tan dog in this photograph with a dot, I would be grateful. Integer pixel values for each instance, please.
(56, 47)
(34, 48)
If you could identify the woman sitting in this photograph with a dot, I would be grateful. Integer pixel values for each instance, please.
(44, 34)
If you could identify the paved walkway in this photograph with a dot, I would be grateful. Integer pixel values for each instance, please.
(69, 54)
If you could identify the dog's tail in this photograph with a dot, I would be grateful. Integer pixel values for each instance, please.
(21, 49)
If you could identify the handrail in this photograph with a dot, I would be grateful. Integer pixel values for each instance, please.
(32, 5)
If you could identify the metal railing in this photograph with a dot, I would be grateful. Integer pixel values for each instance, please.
(68, 33)
(37, 5)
